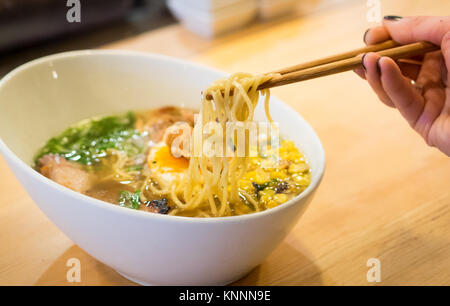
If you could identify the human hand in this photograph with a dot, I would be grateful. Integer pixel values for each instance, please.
(425, 104)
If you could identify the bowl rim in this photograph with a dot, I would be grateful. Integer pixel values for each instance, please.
(28, 170)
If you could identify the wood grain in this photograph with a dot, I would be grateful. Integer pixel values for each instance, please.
(385, 194)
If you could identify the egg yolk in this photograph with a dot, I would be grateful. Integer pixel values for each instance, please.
(165, 161)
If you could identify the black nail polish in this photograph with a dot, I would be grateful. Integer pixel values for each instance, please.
(378, 66)
(362, 62)
(365, 34)
(392, 17)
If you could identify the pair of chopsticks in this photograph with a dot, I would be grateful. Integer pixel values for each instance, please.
(343, 62)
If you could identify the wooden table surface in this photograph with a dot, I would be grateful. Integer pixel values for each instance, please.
(385, 194)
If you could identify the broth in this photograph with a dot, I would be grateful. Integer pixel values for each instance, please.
(116, 159)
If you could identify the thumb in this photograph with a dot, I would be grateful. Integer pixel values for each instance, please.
(445, 49)
(421, 28)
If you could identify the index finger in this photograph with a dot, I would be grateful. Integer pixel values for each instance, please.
(376, 35)
(421, 28)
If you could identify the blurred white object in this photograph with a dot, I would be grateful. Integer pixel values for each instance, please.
(269, 9)
(209, 5)
(305, 7)
(210, 18)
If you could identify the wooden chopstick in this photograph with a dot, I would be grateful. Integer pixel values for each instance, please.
(334, 58)
(343, 62)
(410, 50)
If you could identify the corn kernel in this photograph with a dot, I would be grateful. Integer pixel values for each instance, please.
(296, 168)
(250, 175)
(280, 198)
(261, 176)
(246, 185)
(276, 200)
(302, 180)
(271, 204)
(278, 174)
(266, 195)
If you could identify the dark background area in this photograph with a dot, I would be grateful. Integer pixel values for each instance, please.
(30, 29)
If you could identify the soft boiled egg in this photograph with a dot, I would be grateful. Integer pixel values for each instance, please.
(162, 163)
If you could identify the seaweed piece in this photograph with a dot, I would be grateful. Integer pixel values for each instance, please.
(260, 187)
(160, 205)
(281, 187)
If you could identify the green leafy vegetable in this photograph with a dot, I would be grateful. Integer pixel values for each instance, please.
(260, 187)
(88, 141)
(130, 200)
(134, 168)
(276, 184)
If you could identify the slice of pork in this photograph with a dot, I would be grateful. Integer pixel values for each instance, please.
(64, 172)
(155, 122)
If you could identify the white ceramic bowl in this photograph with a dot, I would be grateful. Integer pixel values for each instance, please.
(43, 97)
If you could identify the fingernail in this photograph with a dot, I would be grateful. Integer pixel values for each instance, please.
(362, 62)
(365, 34)
(392, 17)
(378, 66)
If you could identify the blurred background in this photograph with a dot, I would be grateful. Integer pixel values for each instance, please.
(31, 29)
